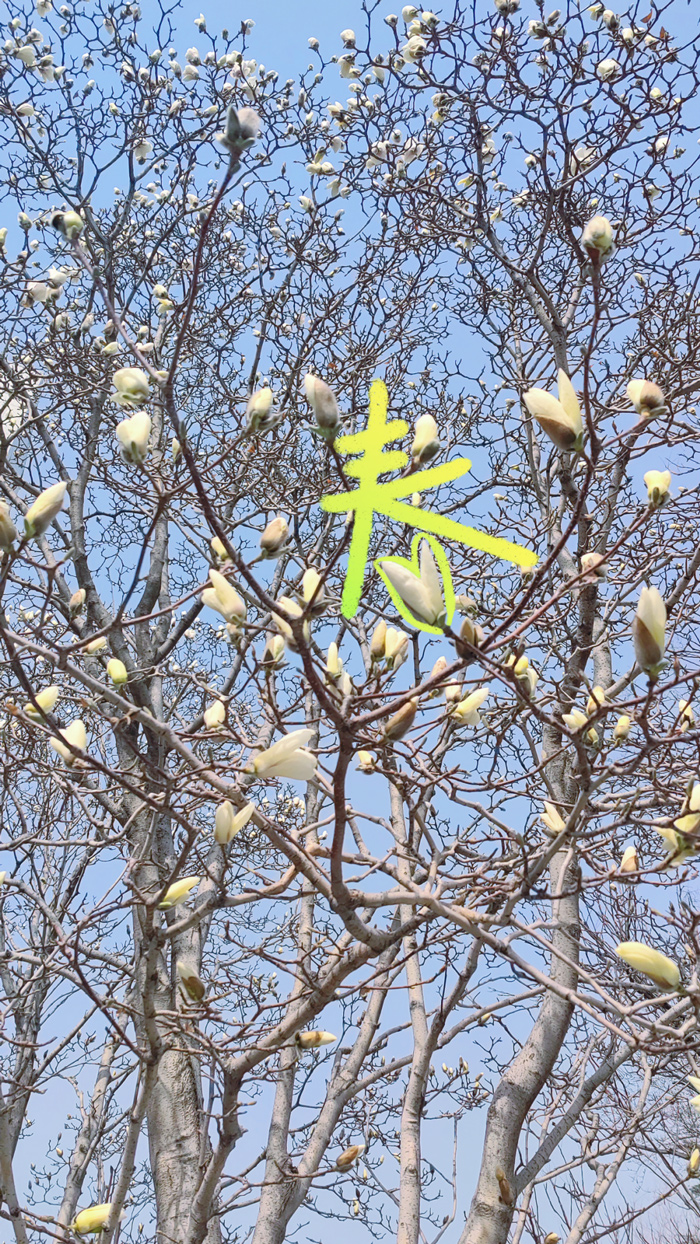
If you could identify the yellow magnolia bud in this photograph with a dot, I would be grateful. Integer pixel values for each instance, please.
(215, 715)
(334, 663)
(76, 735)
(622, 728)
(348, 1157)
(694, 1162)
(218, 549)
(426, 441)
(658, 484)
(687, 715)
(552, 819)
(132, 388)
(313, 592)
(258, 412)
(396, 646)
(8, 531)
(292, 610)
(192, 984)
(68, 223)
(314, 1038)
(44, 510)
(649, 630)
(133, 435)
(596, 701)
(439, 668)
(376, 648)
(45, 700)
(630, 861)
(646, 397)
(176, 448)
(177, 893)
(228, 823)
(96, 645)
(662, 970)
(273, 540)
(366, 762)
(551, 1238)
(598, 238)
(91, 1221)
(399, 725)
(117, 671)
(76, 602)
(594, 564)
(273, 654)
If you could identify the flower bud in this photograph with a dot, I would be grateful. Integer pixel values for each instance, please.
(552, 819)
(313, 1039)
(177, 893)
(467, 710)
(44, 510)
(659, 968)
(366, 762)
(596, 701)
(376, 647)
(630, 861)
(91, 1221)
(334, 663)
(76, 602)
(175, 449)
(96, 645)
(658, 484)
(292, 610)
(594, 564)
(649, 630)
(313, 592)
(349, 1156)
(133, 435)
(273, 540)
(223, 598)
(622, 728)
(215, 715)
(608, 70)
(438, 669)
(69, 224)
(324, 404)
(258, 411)
(193, 986)
(46, 700)
(426, 441)
(598, 238)
(396, 646)
(132, 386)
(218, 549)
(117, 672)
(75, 735)
(399, 725)
(646, 397)
(273, 653)
(228, 823)
(694, 1162)
(8, 531)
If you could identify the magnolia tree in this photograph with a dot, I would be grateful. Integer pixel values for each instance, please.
(350, 803)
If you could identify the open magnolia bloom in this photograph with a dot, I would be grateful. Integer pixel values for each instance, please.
(659, 968)
(223, 598)
(396, 645)
(76, 735)
(177, 893)
(133, 435)
(420, 590)
(43, 511)
(680, 848)
(649, 630)
(646, 397)
(215, 715)
(467, 710)
(552, 819)
(228, 822)
(575, 720)
(559, 418)
(287, 758)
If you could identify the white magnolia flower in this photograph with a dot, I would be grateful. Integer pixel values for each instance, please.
(223, 598)
(133, 436)
(649, 630)
(287, 758)
(420, 593)
(559, 418)
(467, 711)
(76, 735)
(44, 510)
